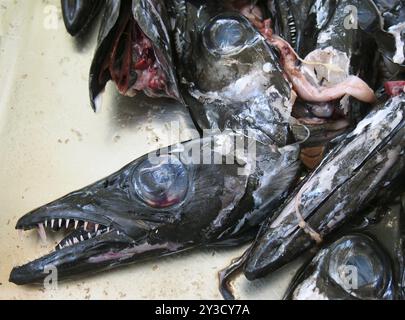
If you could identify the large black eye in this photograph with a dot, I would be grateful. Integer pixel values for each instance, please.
(226, 35)
(161, 181)
(360, 267)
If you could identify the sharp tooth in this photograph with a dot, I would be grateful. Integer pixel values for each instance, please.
(42, 232)
(60, 223)
(46, 223)
(118, 232)
(67, 223)
(99, 233)
(70, 242)
(96, 227)
(81, 238)
(108, 229)
(75, 240)
(89, 235)
(67, 244)
(52, 223)
(76, 223)
(60, 247)
(85, 225)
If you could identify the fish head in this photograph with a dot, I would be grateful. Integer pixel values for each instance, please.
(220, 47)
(361, 262)
(232, 75)
(161, 203)
(354, 267)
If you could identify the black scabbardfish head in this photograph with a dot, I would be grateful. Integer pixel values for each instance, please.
(365, 262)
(162, 203)
(232, 76)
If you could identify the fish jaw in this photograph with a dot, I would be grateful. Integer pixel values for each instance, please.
(96, 239)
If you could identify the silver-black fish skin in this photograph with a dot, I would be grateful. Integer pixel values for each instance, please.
(352, 174)
(363, 261)
(232, 77)
(78, 14)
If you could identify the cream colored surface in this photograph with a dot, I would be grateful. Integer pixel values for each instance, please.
(51, 143)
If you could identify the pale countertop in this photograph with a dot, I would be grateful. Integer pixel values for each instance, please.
(52, 143)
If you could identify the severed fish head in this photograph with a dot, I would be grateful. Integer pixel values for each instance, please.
(201, 193)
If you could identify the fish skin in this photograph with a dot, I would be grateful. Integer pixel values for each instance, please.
(79, 16)
(229, 88)
(378, 234)
(347, 180)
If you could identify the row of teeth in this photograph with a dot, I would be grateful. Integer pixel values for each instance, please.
(293, 28)
(60, 224)
(76, 240)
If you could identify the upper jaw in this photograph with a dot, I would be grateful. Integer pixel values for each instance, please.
(91, 208)
(104, 230)
(65, 215)
(58, 218)
(78, 14)
(93, 242)
(89, 231)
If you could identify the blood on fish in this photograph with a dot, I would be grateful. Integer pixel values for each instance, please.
(132, 64)
(394, 88)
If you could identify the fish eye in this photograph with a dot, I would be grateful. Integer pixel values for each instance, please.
(226, 35)
(360, 267)
(161, 181)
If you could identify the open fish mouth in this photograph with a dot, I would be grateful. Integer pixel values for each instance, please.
(87, 247)
(78, 230)
(134, 51)
(103, 225)
(85, 244)
(133, 64)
